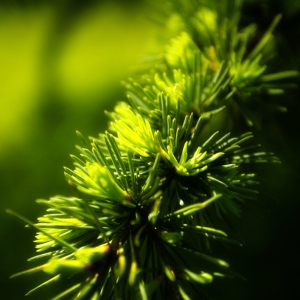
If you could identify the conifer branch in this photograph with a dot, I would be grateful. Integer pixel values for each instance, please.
(151, 189)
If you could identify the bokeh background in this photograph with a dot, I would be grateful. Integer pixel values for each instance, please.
(61, 63)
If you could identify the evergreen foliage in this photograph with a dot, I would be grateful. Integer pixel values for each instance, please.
(152, 191)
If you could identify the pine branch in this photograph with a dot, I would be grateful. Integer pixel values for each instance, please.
(153, 187)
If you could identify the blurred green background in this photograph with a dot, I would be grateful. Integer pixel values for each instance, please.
(61, 63)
